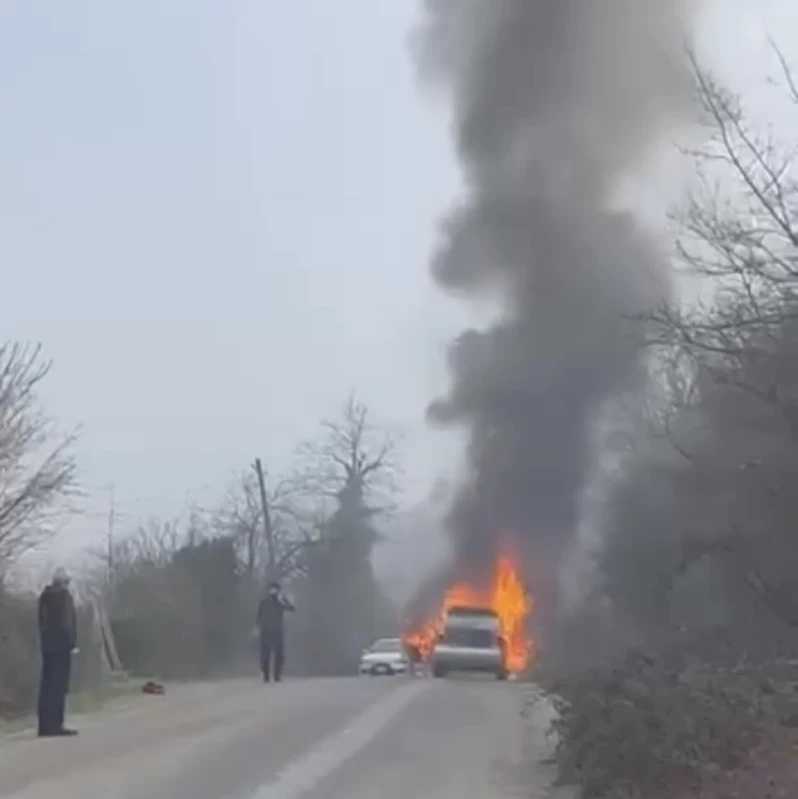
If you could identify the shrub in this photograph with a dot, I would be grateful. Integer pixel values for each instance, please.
(19, 654)
(655, 726)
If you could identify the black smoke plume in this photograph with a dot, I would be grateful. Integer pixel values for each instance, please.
(554, 102)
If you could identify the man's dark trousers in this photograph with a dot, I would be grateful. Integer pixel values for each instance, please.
(53, 689)
(272, 647)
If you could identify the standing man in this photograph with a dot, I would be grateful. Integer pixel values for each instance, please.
(414, 659)
(271, 610)
(58, 638)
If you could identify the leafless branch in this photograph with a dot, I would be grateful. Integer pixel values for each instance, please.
(240, 515)
(37, 468)
(353, 453)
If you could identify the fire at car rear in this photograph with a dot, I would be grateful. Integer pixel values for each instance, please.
(478, 627)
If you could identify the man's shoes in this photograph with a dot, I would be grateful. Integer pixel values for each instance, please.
(266, 678)
(62, 733)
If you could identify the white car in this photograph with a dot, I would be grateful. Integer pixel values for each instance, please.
(385, 656)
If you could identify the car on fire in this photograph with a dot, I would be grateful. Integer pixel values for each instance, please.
(384, 657)
(470, 641)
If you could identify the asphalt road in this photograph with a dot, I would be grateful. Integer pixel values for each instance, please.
(356, 738)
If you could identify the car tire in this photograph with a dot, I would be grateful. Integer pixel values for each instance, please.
(502, 674)
(438, 671)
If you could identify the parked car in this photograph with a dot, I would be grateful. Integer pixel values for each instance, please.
(385, 656)
(471, 641)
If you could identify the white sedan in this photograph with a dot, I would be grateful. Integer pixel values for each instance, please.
(385, 656)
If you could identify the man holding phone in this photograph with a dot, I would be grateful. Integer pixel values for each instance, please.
(270, 625)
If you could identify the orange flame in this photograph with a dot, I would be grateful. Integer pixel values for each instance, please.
(505, 595)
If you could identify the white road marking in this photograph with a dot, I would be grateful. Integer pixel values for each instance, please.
(308, 771)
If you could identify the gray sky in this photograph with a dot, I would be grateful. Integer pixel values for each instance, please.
(216, 216)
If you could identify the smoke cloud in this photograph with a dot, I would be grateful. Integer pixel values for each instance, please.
(554, 102)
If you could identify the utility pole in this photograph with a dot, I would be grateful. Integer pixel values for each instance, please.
(267, 521)
(110, 537)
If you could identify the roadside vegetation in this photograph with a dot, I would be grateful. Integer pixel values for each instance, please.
(180, 595)
(677, 676)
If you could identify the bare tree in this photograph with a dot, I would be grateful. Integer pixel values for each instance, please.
(241, 516)
(37, 467)
(699, 558)
(356, 456)
(739, 242)
(734, 419)
(153, 542)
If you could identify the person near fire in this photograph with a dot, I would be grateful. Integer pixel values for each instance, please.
(271, 632)
(414, 658)
(58, 640)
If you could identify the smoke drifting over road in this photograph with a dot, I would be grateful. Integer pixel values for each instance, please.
(554, 101)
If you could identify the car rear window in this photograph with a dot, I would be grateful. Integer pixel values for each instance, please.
(387, 646)
(476, 639)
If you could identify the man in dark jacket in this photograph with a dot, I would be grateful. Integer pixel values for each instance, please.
(58, 637)
(414, 659)
(271, 610)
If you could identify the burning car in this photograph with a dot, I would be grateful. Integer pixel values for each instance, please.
(470, 612)
(471, 641)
